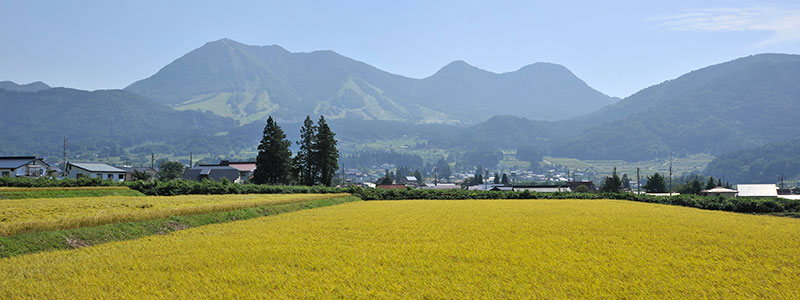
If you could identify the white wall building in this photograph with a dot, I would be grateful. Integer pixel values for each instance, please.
(102, 171)
(23, 166)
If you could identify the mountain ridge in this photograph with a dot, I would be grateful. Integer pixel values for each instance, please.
(30, 87)
(249, 82)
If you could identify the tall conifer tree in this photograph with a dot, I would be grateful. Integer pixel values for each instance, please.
(273, 163)
(326, 156)
(305, 156)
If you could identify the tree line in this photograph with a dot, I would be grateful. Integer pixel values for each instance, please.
(315, 163)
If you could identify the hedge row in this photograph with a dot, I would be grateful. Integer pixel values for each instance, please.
(186, 187)
(737, 204)
(47, 182)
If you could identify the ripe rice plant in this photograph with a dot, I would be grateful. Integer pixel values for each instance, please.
(472, 249)
(42, 214)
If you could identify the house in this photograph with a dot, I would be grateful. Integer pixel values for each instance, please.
(543, 188)
(441, 186)
(129, 171)
(23, 166)
(485, 186)
(719, 191)
(246, 168)
(573, 185)
(757, 190)
(391, 186)
(212, 172)
(410, 181)
(102, 171)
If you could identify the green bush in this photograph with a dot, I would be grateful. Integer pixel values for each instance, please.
(187, 187)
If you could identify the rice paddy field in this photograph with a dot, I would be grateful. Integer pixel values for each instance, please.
(42, 214)
(475, 249)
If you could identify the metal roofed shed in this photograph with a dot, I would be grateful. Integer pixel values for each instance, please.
(94, 170)
(757, 190)
(719, 191)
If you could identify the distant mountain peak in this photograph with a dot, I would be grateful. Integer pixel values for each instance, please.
(30, 87)
(251, 82)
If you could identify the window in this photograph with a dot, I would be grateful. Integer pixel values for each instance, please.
(6, 174)
(110, 176)
(121, 176)
(79, 176)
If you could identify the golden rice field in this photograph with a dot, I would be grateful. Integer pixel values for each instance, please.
(481, 249)
(78, 188)
(41, 214)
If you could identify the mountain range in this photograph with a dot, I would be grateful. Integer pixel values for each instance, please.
(30, 87)
(248, 83)
(38, 121)
(216, 97)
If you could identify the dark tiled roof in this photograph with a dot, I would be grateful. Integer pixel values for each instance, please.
(13, 162)
(211, 172)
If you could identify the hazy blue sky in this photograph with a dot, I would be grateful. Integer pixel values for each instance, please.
(617, 48)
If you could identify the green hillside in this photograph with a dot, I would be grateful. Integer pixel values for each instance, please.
(763, 164)
(98, 121)
(738, 104)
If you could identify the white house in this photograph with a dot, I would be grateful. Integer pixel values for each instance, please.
(719, 191)
(102, 171)
(23, 166)
(757, 190)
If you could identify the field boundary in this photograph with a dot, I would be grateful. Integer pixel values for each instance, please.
(87, 236)
(12, 193)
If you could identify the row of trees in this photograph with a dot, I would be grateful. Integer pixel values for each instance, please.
(315, 163)
(656, 183)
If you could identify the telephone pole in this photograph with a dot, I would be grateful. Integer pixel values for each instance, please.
(65, 156)
(152, 160)
(638, 182)
(670, 173)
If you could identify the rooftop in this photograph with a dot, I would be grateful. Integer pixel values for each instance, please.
(96, 167)
(757, 190)
(13, 162)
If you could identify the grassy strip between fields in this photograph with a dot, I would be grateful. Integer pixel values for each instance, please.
(88, 236)
(66, 192)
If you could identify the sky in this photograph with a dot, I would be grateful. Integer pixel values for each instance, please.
(617, 47)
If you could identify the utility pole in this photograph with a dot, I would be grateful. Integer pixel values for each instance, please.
(638, 182)
(152, 160)
(670, 173)
(435, 176)
(191, 161)
(65, 156)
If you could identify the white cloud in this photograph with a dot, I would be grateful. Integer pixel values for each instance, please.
(783, 24)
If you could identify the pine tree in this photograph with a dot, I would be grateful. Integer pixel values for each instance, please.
(710, 184)
(612, 184)
(273, 163)
(505, 180)
(655, 184)
(626, 182)
(326, 156)
(496, 178)
(305, 156)
(695, 186)
(418, 175)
